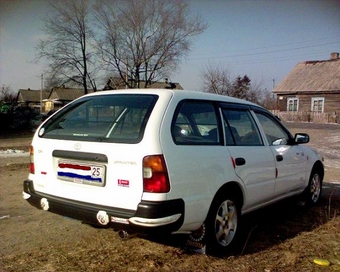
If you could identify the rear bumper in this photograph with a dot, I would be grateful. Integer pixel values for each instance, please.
(150, 216)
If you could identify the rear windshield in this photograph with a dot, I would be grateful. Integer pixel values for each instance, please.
(107, 118)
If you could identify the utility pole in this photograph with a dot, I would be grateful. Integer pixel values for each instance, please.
(41, 90)
(276, 102)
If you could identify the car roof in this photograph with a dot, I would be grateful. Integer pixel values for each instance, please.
(179, 94)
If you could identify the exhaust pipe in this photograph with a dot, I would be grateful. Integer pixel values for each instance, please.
(124, 235)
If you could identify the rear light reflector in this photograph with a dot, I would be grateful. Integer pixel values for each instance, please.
(32, 160)
(155, 175)
(233, 162)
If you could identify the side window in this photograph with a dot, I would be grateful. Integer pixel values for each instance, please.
(240, 128)
(196, 123)
(318, 104)
(275, 134)
(292, 104)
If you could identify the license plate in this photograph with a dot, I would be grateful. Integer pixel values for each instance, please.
(91, 174)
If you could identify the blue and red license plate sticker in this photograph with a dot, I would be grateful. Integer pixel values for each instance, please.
(81, 173)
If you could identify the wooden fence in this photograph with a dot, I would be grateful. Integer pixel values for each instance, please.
(312, 117)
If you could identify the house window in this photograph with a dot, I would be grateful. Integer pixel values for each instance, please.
(318, 104)
(292, 104)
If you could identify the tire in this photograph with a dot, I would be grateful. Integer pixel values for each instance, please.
(313, 191)
(222, 224)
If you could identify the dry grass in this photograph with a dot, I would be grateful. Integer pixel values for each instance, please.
(283, 237)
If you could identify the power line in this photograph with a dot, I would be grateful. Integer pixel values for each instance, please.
(266, 52)
(266, 47)
(277, 58)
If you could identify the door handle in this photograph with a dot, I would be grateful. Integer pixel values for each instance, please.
(240, 161)
(279, 157)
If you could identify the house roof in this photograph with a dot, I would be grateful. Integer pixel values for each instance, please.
(31, 95)
(66, 94)
(118, 83)
(312, 76)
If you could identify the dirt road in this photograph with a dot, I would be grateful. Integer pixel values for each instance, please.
(284, 237)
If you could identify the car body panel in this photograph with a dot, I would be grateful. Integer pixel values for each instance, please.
(196, 171)
(258, 175)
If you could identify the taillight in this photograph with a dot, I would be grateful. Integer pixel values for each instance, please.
(155, 175)
(31, 159)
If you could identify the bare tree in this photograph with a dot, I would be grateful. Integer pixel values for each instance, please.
(241, 87)
(144, 40)
(7, 94)
(67, 46)
(256, 93)
(268, 100)
(216, 80)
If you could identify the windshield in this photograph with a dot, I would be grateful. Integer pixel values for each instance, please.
(107, 118)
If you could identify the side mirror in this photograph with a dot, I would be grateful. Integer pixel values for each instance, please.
(301, 138)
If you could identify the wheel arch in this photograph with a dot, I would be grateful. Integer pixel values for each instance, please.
(216, 242)
(311, 194)
(236, 190)
(318, 167)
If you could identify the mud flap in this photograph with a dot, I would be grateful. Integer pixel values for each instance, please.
(196, 241)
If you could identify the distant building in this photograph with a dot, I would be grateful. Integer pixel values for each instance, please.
(312, 86)
(31, 98)
(59, 97)
(51, 100)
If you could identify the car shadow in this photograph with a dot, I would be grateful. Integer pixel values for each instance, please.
(284, 220)
(272, 225)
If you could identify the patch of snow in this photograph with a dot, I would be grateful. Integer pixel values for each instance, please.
(13, 153)
(334, 139)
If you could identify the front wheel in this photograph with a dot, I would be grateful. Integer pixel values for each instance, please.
(314, 188)
(222, 224)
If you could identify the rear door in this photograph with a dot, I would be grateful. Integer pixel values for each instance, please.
(254, 162)
(197, 161)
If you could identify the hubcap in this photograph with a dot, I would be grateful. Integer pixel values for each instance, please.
(315, 188)
(226, 223)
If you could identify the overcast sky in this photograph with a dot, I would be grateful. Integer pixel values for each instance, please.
(263, 39)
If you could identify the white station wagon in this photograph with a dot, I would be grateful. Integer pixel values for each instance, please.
(151, 161)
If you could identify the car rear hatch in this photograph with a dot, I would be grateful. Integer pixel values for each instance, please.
(92, 150)
(89, 172)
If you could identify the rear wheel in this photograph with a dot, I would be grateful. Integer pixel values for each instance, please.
(314, 188)
(222, 224)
